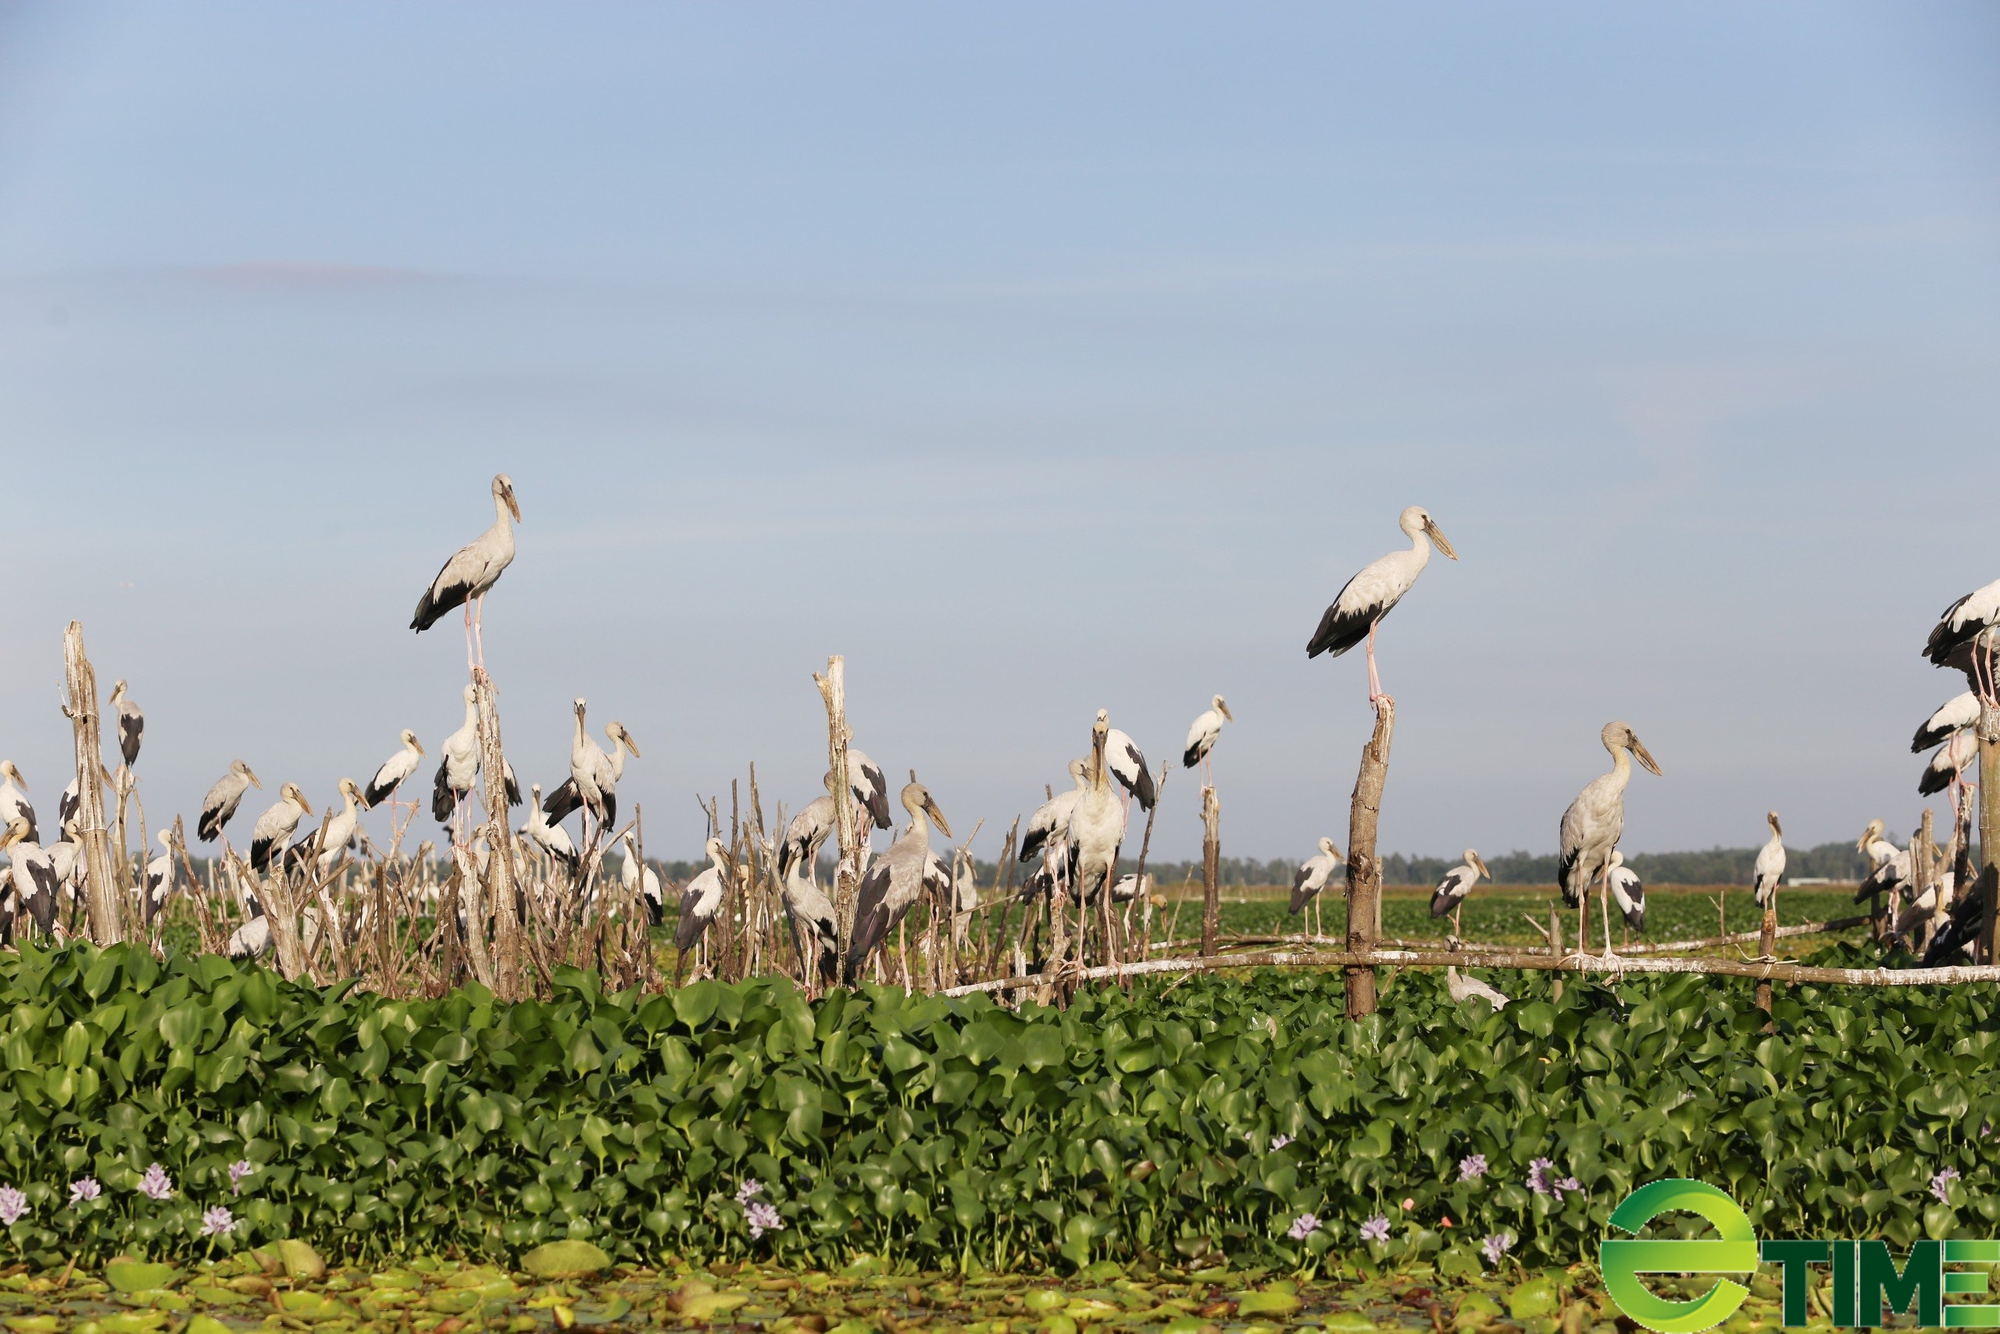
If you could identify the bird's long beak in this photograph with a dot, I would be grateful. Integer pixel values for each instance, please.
(417, 745)
(1480, 862)
(1437, 536)
(513, 506)
(254, 781)
(302, 805)
(10, 836)
(626, 739)
(931, 809)
(1645, 757)
(1224, 708)
(1776, 828)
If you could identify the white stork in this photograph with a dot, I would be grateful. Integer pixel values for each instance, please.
(1097, 823)
(473, 569)
(1370, 595)
(14, 798)
(1628, 892)
(593, 774)
(393, 771)
(815, 925)
(33, 877)
(1770, 868)
(1451, 892)
(637, 878)
(160, 877)
(1952, 640)
(1955, 714)
(1128, 766)
(1049, 825)
(1875, 847)
(871, 788)
(219, 806)
(552, 839)
(700, 902)
(897, 880)
(68, 803)
(1952, 758)
(340, 829)
(131, 723)
(1593, 824)
(806, 835)
(276, 824)
(1315, 873)
(1471, 988)
(1201, 737)
(458, 766)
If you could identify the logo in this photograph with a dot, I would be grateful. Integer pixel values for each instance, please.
(1866, 1279)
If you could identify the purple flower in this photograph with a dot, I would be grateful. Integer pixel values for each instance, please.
(1495, 1246)
(1376, 1228)
(156, 1183)
(1304, 1226)
(748, 1191)
(239, 1169)
(763, 1218)
(1570, 1184)
(84, 1188)
(217, 1222)
(1472, 1168)
(1279, 1142)
(12, 1205)
(1941, 1184)
(1538, 1177)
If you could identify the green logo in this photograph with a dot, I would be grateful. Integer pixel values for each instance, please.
(1866, 1280)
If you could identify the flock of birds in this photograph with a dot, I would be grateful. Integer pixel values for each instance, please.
(1075, 836)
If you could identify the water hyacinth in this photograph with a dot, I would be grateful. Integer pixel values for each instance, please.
(1279, 1142)
(217, 1222)
(1303, 1226)
(239, 1169)
(1496, 1245)
(1941, 1184)
(156, 1184)
(1376, 1228)
(1538, 1177)
(12, 1205)
(763, 1218)
(84, 1189)
(1472, 1167)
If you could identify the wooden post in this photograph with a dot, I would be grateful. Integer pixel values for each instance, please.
(1989, 830)
(847, 871)
(1923, 868)
(1556, 944)
(1364, 872)
(500, 894)
(1211, 867)
(1146, 847)
(107, 918)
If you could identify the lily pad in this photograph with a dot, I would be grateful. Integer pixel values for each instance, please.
(1269, 1303)
(565, 1259)
(1477, 1311)
(1347, 1322)
(300, 1260)
(1533, 1298)
(132, 1276)
(206, 1324)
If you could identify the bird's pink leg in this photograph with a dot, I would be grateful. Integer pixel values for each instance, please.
(1375, 695)
(468, 637)
(478, 628)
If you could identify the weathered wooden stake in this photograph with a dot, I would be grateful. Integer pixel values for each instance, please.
(107, 918)
(500, 895)
(847, 871)
(1211, 867)
(1989, 830)
(1556, 943)
(1364, 872)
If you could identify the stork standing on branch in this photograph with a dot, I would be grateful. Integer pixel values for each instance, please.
(393, 771)
(1959, 638)
(895, 883)
(1628, 893)
(276, 824)
(1096, 824)
(131, 723)
(1592, 826)
(1048, 827)
(700, 902)
(32, 881)
(219, 806)
(1370, 595)
(1770, 868)
(593, 774)
(473, 569)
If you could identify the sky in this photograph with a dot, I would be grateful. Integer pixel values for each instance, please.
(1037, 359)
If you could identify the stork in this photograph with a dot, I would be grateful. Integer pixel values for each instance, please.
(1471, 988)
(1955, 714)
(1960, 636)
(1451, 892)
(339, 831)
(1128, 766)
(1097, 823)
(871, 788)
(1628, 892)
(815, 924)
(1370, 595)
(131, 723)
(32, 875)
(276, 824)
(1593, 824)
(896, 881)
(159, 877)
(14, 797)
(1049, 825)
(219, 806)
(1313, 876)
(806, 835)
(472, 570)
(1951, 760)
(700, 902)
(1770, 867)
(593, 775)
(458, 766)
(553, 839)
(1202, 735)
(638, 879)
(394, 770)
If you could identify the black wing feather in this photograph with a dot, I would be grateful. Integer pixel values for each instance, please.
(1944, 638)
(871, 919)
(130, 726)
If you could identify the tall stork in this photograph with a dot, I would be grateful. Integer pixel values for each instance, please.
(896, 881)
(700, 902)
(1451, 892)
(806, 835)
(394, 770)
(1952, 758)
(1770, 867)
(159, 878)
(593, 774)
(219, 806)
(276, 824)
(637, 878)
(14, 797)
(458, 765)
(815, 925)
(131, 723)
(32, 874)
(1315, 873)
(472, 570)
(1201, 737)
(1097, 823)
(1370, 595)
(1593, 824)
(340, 829)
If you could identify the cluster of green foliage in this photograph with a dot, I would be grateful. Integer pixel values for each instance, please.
(960, 1134)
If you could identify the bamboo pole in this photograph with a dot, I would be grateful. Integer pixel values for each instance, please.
(501, 894)
(847, 870)
(107, 920)
(1211, 867)
(1989, 829)
(1364, 872)
(1477, 947)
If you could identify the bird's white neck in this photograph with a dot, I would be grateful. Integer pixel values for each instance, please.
(1420, 547)
(502, 520)
(617, 760)
(1621, 767)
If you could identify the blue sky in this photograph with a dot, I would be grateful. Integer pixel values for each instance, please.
(1037, 359)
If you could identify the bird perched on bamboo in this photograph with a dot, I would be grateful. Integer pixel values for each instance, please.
(1628, 892)
(1956, 755)
(276, 824)
(1593, 824)
(593, 774)
(472, 570)
(458, 765)
(1202, 735)
(871, 787)
(1770, 867)
(1097, 822)
(552, 839)
(339, 832)
(700, 902)
(1128, 766)
(1315, 873)
(219, 806)
(1365, 599)
(131, 723)
(1451, 892)
(897, 880)
(394, 770)
(1960, 636)
(637, 878)
(1955, 714)
(1049, 825)
(815, 925)
(32, 880)
(808, 832)
(14, 798)
(160, 879)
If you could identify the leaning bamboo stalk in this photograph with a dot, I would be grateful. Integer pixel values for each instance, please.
(847, 870)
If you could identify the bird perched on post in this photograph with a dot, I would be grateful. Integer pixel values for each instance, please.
(1593, 824)
(700, 902)
(131, 723)
(472, 570)
(1952, 759)
(1954, 715)
(1957, 636)
(1373, 593)
(276, 824)
(159, 877)
(14, 797)
(593, 774)
(807, 834)
(551, 838)
(1202, 735)
(871, 787)
(219, 806)
(394, 770)
(1314, 874)
(458, 765)
(896, 881)
(1770, 868)
(1450, 895)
